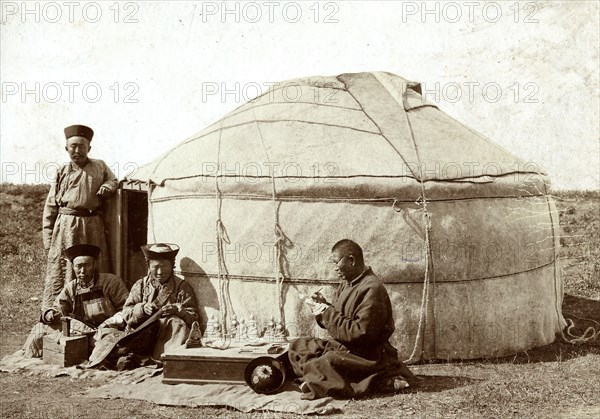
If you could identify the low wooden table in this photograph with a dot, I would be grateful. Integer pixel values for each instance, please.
(209, 365)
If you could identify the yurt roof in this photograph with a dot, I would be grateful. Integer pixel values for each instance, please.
(371, 134)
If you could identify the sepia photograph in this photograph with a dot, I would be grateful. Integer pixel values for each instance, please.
(288, 208)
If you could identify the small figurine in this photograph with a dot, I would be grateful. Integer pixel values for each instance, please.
(234, 324)
(242, 330)
(217, 329)
(253, 334)
(279, 336)
(210, 326)
(194, 340)
(270, 329)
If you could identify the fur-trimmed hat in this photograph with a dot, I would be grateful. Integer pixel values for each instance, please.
(153, 251)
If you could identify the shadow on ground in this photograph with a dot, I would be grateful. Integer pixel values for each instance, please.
(435, 383)
(431, 384)
(584, 313)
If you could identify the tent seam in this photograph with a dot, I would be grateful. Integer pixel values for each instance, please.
(279, 236)
(452, 180)
(287, 103)
(379, 128)
(285, 85)
(343, 199)
(327, 281)
(274, 122)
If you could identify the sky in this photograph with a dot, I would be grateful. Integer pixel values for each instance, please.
(145, 75)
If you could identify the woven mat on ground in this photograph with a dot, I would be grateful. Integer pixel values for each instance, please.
(145, 383)
(239, 397)
(18, 364)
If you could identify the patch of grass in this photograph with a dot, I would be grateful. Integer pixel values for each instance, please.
(579, 214)
(23, 261)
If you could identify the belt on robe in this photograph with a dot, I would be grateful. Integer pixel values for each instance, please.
(79, 213)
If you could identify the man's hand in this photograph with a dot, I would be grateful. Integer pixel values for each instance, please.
(315, 307)
(319, 308)
(149, 309)
(169, 310)
(317, 297)
(104, 191)
(50, 316)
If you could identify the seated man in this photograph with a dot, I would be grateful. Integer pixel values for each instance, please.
(359, 357)
(94, 300)
(161, 291)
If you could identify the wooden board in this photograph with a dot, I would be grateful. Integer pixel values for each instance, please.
(209, 365)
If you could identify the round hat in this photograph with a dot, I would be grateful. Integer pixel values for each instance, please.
(265, 375)
(79, 131)
(160, 250)
(82, 250)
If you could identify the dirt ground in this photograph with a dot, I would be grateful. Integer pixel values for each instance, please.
(557, 380)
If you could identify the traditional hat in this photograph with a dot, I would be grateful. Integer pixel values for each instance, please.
(79, 131)
(160, 250)
(82, 250)
(265, 375)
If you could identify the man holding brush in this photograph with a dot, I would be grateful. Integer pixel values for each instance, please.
(359, 359)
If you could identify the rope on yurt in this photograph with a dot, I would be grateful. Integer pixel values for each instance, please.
(225, 303)
(590, 333)
(557, 304)
(279, 236)
(587, 336)
(426, 218)
(426, 296)
(151, 187)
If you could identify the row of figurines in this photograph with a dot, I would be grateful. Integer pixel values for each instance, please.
(240, 330)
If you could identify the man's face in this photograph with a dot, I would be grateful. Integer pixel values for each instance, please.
(78, 149)
(343, 265)
(160, 269)
(84, 266)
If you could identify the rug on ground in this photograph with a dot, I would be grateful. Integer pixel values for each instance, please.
(145, 383)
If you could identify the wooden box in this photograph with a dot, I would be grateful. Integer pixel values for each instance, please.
(208, 365)
(65, 351)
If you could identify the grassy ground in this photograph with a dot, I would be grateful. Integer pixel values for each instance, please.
(558, 380)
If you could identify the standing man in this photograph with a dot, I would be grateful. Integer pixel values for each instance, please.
(71, 211)
(359, 358)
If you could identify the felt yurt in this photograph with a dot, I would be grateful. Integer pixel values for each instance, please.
(463, 234)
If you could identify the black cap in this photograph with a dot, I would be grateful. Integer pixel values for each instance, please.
(79, 131)
(154, 251)
(82, 250)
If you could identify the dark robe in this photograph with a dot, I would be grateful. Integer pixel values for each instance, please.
(174, 329)
(89, 307)
(360, 321)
